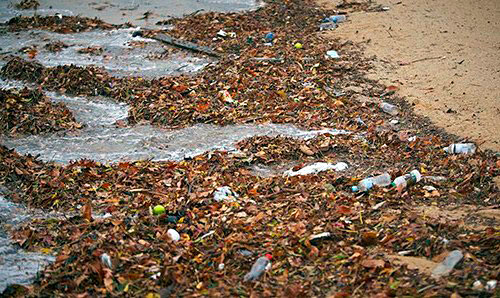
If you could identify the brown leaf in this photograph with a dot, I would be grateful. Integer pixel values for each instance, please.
(87, 211)
(372, 263)
(306, 150)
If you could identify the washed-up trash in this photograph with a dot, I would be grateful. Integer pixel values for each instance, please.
(445, 267)
(316, 168)
(367, 183)
(491, 285)
(222, 33)
(258, 268)
(360, 121)
(335, 19)
(389, 108)
(246, 252)
(174, 235)
(158, 210)
(221, 266)
(332, 54)
(435, 178)
(226, 96)
(298, 45)
(318, 237)
(224, 194)
(327, 26)
(409, 179)
(106, 260)
(477, 285)
(269, 37)
(265, 59)
(461, 148)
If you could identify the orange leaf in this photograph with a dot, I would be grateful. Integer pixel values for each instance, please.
(344, 210)
(87, 211)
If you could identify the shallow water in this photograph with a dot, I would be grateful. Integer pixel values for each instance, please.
(16, 266)
(122, 54)
(122, 11)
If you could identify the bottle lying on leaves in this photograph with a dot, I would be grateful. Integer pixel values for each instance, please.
(260, 266)
(409, 179)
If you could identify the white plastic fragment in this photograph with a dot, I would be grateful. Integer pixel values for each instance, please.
(221, 266)
(320, 236)
(225, 193)
(106, 260)
(429, 188)
(477, 285)
(316, 168)
(404, 252)
(491, 285)
(174, 235)
(332, 54)
(445, 267)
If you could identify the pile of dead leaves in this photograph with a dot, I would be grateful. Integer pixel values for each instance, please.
(108, 207)
(60, 24)
(30, 112)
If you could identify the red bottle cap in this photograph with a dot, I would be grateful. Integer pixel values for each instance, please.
(269, 256)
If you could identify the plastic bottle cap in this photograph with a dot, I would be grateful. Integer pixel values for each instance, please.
(269, 256)
(355, 189)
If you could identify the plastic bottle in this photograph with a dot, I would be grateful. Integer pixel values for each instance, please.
(259, 267)
(461, 148)
(367, 183)
(445, 267)
(337, 18)
(389, 108)
(409, 179)
(327, 26)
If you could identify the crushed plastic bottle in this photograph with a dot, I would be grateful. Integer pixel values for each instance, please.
(461, 148)
(367, 183)
(446, 266)
(409, 179)
(258, 268)
(269, 37)
(389, 108)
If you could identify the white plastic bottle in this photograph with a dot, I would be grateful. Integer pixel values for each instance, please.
(446, 266)
(409, 179)
(461, 148)
(367, 183)
(260, 266)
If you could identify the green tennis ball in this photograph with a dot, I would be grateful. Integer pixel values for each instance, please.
(158, 209)
(298, 45)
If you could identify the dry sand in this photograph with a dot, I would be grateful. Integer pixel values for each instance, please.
(443, 55)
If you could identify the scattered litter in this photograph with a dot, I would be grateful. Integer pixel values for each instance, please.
(409, 179)
(389, 108)
(477, 285)
(158, 210)
(332, 54)
(327, 26)
(445, 267)
(367, 183)
(265, 59)
(316, 168)
(321, 236)
(435, 178)
(206, 235)
(405, 252)
(298, 45)
(394, 121)
(221, 266)
(461, 148)
(491, 285)
(377, 206)
(225, 194)
(429, 188)
(174, 235)
(269, 37)
(106, 260)
(246, 252)
(258, 268)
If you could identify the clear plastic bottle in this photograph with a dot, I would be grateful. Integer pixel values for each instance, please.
(339, 18)
(461, 148)
(389, 108)
(409, 179)
(367, 183)
(446, 266)
(260, 266)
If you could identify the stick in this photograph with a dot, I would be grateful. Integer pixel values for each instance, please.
(185, 44)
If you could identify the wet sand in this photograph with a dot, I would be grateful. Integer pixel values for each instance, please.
(443, 55)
